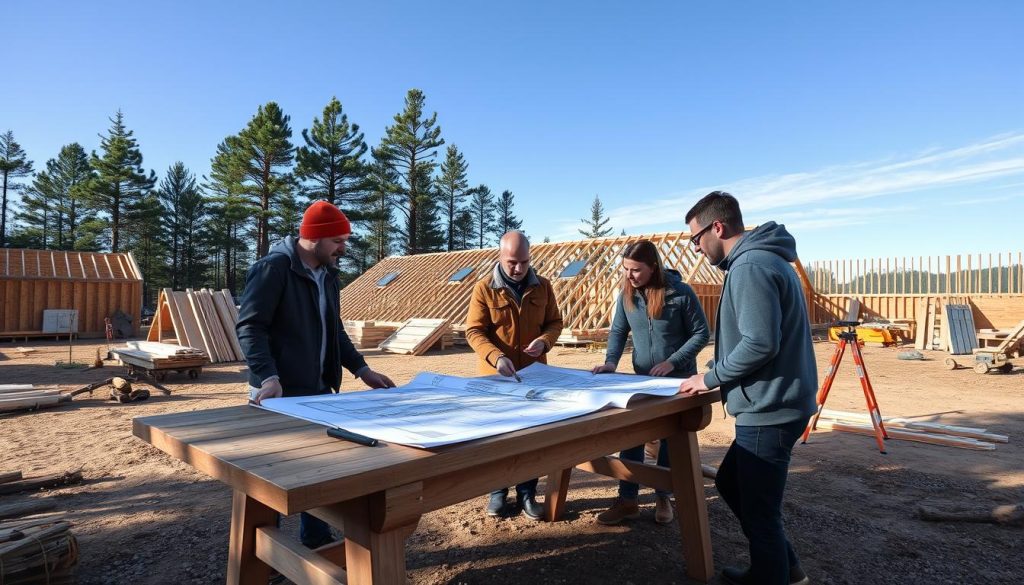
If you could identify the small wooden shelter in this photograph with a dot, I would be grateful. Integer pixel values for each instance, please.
(585, 274)
(95, 284)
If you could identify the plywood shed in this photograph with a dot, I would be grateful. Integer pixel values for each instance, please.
(95, 284)
(585, 274)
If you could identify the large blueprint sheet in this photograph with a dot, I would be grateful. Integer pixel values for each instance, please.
(436, 409)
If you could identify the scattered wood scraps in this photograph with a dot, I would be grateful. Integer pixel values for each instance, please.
(978, 439)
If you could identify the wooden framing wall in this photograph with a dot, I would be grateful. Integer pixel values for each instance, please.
(893, 288)
(422, 288)
(963, 274)
(95, 284)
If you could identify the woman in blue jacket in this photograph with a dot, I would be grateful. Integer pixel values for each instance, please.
(669, 329)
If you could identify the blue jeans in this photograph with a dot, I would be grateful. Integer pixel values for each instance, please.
(629, 490)
(523, 490)
(313, 532)
(751, 480)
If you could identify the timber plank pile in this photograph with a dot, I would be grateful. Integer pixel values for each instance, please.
(201, 319)
(367, 334)
(161, 356)
(35, 548)
(417, 336)
(29, 397)
(978, 439)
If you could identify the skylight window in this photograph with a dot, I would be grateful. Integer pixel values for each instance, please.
(572, 269)
(461, 274)
(387, 279)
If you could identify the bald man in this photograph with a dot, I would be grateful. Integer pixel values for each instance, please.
(513, 322)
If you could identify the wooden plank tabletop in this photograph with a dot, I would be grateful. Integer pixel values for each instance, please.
(292, 465)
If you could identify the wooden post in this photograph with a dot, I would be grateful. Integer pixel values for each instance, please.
(691, 509)
(556, 491)
(246, 515)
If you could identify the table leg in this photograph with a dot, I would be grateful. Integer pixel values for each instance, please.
(556, 490)
(246, 515)
(372, 556)
(691, 509)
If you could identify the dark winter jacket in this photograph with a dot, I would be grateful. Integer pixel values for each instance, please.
(279, 325)
(764, 360)
(677, 335)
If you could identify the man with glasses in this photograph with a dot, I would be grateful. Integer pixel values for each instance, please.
(764, 365)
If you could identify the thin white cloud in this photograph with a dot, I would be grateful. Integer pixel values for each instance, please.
(999, 157)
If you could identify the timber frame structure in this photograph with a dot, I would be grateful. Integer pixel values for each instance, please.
(422, 286)
(95, 284)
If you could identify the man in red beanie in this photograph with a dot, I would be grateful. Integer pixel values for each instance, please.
(289, 325)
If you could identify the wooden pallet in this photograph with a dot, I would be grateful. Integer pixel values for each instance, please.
(960, 329)
(416, 336)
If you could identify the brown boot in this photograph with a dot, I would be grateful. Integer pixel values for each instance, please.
(621, 509)
(663, 513)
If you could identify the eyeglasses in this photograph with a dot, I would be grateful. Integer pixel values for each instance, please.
(695, 238)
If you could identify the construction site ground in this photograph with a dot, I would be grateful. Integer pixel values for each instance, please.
(144, 517)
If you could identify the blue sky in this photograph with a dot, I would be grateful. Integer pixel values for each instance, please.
(869, 128)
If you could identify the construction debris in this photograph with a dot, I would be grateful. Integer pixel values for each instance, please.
(43, 481)
(28, 397)
(911, 430)
(37, 550)
(1008, 514)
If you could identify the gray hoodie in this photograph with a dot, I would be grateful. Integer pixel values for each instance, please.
(764, 360)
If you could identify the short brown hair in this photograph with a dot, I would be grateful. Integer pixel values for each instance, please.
(720, 206)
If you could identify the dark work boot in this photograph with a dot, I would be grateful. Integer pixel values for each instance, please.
(496, 505)
(531, 508)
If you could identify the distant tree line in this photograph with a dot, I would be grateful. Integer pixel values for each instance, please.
(187, 231)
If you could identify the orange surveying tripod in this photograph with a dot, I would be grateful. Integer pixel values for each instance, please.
(849, 337)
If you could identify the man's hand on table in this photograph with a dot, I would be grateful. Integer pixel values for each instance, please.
(269, 389)
(693, 385)
(376, 379)
(505, 367)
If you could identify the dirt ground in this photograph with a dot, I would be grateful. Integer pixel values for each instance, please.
(143, 517)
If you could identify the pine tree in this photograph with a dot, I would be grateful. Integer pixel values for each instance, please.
(481, 206)
(265, 152)
(452, 186)
(597, 222)
(408, 147)
(506, 220)
(35, 220)
(146, 237)
(184, 208)
(230, 212)
(383, 191)
(464, 230)
(14, 164)
(120, 181)
(331, 165)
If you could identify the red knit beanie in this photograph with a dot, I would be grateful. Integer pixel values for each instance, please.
(323, 220)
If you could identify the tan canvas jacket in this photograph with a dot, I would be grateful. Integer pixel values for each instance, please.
(497, 326)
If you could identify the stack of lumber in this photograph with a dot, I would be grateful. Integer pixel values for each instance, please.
(38, 549)
(34, 547)
(202, 319)
(160, 356)
(416, 336)
(581, 336)
(30, 397)
(978, 439)
(366, 334)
